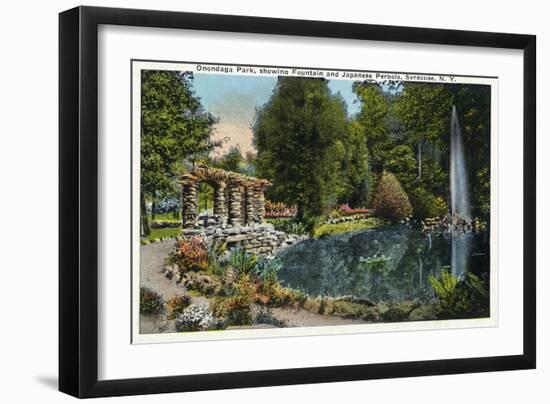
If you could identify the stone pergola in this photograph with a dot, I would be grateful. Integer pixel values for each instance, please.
(238, 198)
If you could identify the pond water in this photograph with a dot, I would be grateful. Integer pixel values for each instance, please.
(390, 263)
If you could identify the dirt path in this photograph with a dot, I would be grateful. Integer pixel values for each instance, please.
(151, 264)
(304, 318)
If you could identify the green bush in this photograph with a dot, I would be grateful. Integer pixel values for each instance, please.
(288, 226)
(236, 310)
(150, 302)
(460, 298)
(390, 200)
(241, 260)
(216, 254)
(346, 227)
(266, 269)
(425, 204)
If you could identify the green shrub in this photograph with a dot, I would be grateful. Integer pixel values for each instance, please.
(346, 227)
(460, 298)
(234, 309)
(242, 261)
(425, 204)
(150, 302)
(390, 200)
(288, 226)
(216, 254)
(267, 268)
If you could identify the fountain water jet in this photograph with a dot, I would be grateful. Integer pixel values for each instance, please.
(459, 218)
(460, 201)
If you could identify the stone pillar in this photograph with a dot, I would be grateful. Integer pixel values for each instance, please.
(260, 204)
(235, 202)
(219, 200)
(251, 205)
(189, 204)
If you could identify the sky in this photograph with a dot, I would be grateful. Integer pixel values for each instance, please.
(233, 100)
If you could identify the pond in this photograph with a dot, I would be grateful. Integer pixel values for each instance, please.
(390, 263)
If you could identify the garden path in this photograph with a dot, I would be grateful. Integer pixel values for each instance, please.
(151, 264)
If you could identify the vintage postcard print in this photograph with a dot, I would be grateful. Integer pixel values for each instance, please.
(283, 201)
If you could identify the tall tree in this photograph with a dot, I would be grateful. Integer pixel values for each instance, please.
(174, 127)
(299, 136)
(424, 112)
(357, 179)
(231, 161)
(373, 118)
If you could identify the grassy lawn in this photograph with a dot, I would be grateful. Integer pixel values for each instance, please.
(164, 217)
(337, 228)
(162, 233)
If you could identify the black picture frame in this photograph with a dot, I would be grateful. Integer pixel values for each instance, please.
(78, 201)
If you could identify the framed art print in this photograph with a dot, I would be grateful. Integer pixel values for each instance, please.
(252, 201)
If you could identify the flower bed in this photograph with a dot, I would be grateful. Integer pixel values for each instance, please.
(275, 210)
(346, 210)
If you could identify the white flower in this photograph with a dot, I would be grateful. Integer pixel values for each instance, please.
(194, 318)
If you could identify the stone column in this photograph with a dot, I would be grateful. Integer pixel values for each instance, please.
(219, 200)
(260, 204)
(235, 201)
(189, 204)
(251, 205)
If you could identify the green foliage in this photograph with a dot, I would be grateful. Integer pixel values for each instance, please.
(424, 111)
(232, 160)
(460, 298)
(423, 192)
(289, 226)
(300, 135)
(150, 302)
(444, 287)
(242, 261)
(236, 310)
(373, 121)
(483, 191)
(267, 268)
(356, 177)
(390, 200)
(157, 234)
(205, 196)
(216, 254)
(401, 161)
(173, 127)
(426, 204)
(346, 227)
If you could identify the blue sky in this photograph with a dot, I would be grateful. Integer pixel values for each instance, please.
(234, 98)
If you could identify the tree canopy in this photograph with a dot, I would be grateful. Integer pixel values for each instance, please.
(174, 128)
(301, 135)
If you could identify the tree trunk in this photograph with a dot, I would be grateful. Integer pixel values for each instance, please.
(145, 229)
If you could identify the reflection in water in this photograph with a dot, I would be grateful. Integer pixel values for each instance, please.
(461, 250)
(386, 264)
